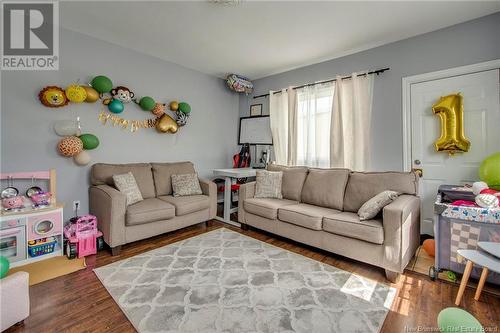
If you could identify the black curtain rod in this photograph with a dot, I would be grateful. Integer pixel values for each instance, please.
(378, 71)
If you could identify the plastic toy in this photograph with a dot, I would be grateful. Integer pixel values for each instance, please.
(4, 266)
(41, 246)
(429, 246)
(82, 237)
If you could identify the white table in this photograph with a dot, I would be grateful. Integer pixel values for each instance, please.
(490, 247)
(229, 175)
(484, 259)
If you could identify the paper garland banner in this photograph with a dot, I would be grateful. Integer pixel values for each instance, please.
(134, 125)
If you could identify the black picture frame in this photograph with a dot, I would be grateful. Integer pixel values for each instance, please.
(259, 110)
(252, 143)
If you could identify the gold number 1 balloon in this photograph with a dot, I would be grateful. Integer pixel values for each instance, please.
(450, 110)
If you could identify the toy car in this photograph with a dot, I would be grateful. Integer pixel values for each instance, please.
(82, 237)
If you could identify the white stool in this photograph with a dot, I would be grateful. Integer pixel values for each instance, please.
(483, 259)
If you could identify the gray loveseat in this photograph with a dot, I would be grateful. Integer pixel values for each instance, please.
(319, 208)
(158, 213)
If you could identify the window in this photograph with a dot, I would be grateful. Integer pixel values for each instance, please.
(314, 108)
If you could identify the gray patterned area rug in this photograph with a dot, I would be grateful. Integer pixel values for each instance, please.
(223, 281)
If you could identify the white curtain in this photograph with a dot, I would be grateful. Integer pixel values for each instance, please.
(351, 122)
(314, 105)
(282, 112)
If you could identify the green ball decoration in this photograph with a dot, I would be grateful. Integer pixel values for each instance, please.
(147, 103)
(184, 107)
(489, 171)
(4, 266)
(102, 84)
(90, 141)
(115, 106)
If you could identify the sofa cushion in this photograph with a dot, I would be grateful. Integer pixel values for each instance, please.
(102, 174)
(187, 204)
(362, 186)
(162, 173)
(304, 215)
(325, 187)
(348, 224)
(149, 210)
(293, 180)
(267, 207)
(268, 184)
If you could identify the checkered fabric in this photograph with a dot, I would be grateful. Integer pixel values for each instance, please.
(463, 236)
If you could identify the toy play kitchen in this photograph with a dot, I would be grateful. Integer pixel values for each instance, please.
(31, 225)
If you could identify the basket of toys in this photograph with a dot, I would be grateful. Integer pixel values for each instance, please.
(41, 246)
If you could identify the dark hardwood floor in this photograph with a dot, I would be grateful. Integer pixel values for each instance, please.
(79, 303)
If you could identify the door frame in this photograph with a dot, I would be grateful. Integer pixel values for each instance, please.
(431, 76)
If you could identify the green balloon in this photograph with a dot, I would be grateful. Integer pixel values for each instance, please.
(489, 171)
(4, 266)
(90, 141)
(147, 103)
(102, 84)
(184, 107)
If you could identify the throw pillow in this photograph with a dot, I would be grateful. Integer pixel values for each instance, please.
(372, 207)
(185, 184)
(268, 184)
(126, 184)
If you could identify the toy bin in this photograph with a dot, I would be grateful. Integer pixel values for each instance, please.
(42, 247)
(462, 227)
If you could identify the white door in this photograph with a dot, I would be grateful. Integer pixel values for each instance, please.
(481, 97)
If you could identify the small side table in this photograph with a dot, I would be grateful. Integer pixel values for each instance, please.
(228, 175)
(483, 259)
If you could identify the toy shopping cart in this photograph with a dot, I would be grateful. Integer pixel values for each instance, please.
(82, 237)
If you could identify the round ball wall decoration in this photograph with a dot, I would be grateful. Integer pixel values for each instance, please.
(90, 141)
(147, 103)
(115, 106)
(102, 84)
(76, 93)
(83, 158)
(174, 106)
(92, 94)
(184, 107)
(70, 146)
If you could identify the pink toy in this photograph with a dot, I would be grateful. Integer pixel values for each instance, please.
(82, 237)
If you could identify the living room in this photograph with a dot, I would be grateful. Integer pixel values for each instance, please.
(250, 166)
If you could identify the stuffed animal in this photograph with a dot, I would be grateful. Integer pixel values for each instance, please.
(485, 196)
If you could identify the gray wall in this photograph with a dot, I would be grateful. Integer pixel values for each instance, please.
(467, 43)
(28, 141)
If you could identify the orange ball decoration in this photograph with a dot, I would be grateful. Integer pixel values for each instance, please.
(429, 246)
(70, 146)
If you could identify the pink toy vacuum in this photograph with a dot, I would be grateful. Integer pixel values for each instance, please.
(82, 237)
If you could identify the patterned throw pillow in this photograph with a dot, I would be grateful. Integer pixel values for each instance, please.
(372, 207)
(186, 184)
(126, 184)
(268, 184)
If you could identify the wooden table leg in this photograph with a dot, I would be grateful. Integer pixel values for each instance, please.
(463, 283)
(482, 280)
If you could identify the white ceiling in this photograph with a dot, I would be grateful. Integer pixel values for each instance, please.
(257, 39)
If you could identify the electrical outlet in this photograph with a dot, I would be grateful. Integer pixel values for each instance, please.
(76, 206)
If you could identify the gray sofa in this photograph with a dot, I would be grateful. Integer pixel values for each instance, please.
(158, 213)
(319, 208)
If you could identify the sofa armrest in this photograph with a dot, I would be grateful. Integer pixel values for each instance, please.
(109, 206)
(209, 188)
(246, 191)
(14, 299)
(401, 220)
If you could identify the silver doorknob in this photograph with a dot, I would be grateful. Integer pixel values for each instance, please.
(417, 162)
